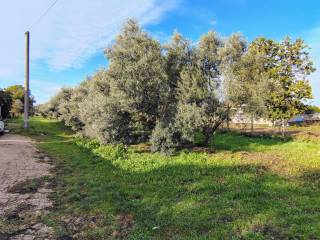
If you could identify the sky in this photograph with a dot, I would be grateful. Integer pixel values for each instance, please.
(67, 43)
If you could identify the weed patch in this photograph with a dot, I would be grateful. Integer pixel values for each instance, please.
(27, 186)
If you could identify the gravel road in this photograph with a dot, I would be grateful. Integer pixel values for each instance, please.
(23, 189)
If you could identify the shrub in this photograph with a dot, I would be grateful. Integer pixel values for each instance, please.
(199, 138)
(112, 152)
(92, 144)
(88, 144)
(163, 139)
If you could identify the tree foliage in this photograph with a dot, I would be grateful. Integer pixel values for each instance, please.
(181, 92)
(17, 94)
(12, 101)
(137, 74)
(5, 104)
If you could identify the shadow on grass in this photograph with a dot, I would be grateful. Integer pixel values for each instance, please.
(185, 200)
(41, 129)
(236, 142)
(182, 200)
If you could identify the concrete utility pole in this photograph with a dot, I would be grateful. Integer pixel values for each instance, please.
(26, 86)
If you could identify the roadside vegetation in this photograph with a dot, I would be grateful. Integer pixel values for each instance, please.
(179, 93)
(144, 148)
(12, 100)
(237, 188)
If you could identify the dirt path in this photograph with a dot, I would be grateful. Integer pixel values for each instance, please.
(23, 189)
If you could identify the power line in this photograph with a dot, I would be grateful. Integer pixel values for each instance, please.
(44, 13)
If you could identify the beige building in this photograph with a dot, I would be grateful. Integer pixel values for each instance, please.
(240, 117)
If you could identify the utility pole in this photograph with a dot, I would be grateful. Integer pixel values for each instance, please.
(26, 86)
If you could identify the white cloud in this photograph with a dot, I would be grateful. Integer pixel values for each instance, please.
(312, 38)
(213, 22)
(43, 90)
(70, 33)
(162, 37)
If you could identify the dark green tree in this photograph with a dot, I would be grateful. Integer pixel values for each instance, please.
(5, 104)
(287, 65)
(17, 94)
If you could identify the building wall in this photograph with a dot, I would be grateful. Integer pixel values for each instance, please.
(240, 117)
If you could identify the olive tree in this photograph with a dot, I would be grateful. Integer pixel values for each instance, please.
(137, 75)
(198, 105)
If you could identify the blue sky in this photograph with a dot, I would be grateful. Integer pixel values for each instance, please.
(67, 45)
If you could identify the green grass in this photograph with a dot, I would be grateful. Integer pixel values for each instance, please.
(249, 188)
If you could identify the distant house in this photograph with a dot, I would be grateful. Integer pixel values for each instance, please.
(241, 117)
(305, 119)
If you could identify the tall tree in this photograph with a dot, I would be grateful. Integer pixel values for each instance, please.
(137, 73)
(5, 104)
(17, 94)
(198, 105)
(178, 55)
(183, 91)
(103, 113)
(16, 108)
(231, 54)
(287, 65)
(16, 91)
(60, 98)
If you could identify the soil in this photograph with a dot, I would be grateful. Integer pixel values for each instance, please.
(23, 189)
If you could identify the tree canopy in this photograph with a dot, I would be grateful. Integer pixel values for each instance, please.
(5, 104)
(17, 95)
(180, 92)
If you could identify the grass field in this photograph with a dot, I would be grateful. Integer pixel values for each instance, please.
(248, 188)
